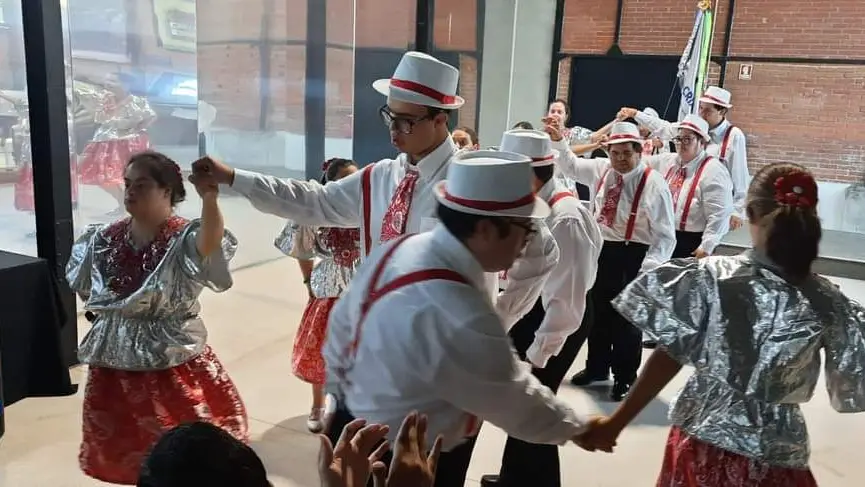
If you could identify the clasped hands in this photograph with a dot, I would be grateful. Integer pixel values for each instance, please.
(601, 435)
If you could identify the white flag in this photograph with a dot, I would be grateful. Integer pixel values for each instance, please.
(689, 68)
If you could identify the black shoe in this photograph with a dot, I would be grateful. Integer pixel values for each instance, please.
(586, 378)
(650, 344)
(620, 390)
(489, 481)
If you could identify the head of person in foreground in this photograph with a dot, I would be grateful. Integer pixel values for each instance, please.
(487, 203)
(200, 453)
(782, 210)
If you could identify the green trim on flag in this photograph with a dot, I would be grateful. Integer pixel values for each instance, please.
(705, 57)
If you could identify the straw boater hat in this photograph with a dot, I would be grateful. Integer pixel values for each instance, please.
(534, 144)
(717, 96)
(695, 124)
(421, 79)
(622, 132)
(491, 183)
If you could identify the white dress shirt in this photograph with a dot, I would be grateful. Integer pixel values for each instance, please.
(341, 204)
(564, 294)
(654, 225)
(710, 208)
(735, 157)
(437, 347)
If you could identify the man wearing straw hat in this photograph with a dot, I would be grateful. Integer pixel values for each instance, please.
(550, 336)
(394, 197)
(416, 330)
(634, 207)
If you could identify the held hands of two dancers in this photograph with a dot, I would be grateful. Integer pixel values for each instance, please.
(601, 434)
(360, 448)
(210, 171)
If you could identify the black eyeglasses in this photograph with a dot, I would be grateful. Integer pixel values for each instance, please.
(683, 140)
(530, 228)
(401, 123)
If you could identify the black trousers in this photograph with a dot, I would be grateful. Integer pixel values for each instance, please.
(687, 243)
(529, 464)
(453, 465)
(615, 344)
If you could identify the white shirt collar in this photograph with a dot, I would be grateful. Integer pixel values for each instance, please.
(430, 164)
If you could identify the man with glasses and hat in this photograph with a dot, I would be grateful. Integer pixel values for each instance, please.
(394, 197)
(550, 336)
(634, 207)
(416, 330)
(701, 188)
(728, 142)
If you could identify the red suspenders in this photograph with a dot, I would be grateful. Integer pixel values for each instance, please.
(691, 191)
(366, 194)
(725, 144)
(375, 292)
(635, 205)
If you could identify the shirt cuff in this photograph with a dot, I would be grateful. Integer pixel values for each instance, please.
(244, 181)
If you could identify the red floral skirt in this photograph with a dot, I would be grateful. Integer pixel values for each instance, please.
(104, 163)
(24, 199)
(306, 360)
(689, 462)
(126, 412)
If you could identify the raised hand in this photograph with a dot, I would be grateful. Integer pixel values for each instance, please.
(350, 463)
(626, 113)
(551, 127)
(410, 466)
(219, 171)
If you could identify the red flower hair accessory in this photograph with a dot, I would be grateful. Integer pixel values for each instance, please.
(325, 165)
(797, 189)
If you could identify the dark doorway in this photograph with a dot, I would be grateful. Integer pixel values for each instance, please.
(600, 86)
(370, 139)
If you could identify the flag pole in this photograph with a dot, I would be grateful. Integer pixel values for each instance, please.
(705, 48)
(712, 36)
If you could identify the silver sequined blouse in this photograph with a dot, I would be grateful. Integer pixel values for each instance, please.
(754, 340)
(337, 251)
(145, 300)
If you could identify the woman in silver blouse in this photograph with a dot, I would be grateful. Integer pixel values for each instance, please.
(753, 327)
(338, 254)
(150, 368)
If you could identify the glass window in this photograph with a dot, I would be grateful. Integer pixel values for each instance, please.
(17, 220)
(228, 80)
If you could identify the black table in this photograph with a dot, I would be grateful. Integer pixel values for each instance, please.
(31, 318)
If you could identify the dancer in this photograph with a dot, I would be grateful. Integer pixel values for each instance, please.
(339, 252)
(123, 119)
(634, 208)
(416, 329)
(25, 200)
(150, 368)
(702, 192)
(394, 197)
(753, 326)
(549, 337)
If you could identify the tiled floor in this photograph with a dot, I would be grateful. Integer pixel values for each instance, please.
(252, 327)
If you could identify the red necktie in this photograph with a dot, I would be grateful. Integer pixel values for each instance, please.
(396, 216)
(676, 181)
(611, 202)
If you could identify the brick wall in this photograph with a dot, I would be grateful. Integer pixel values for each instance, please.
(805, 113)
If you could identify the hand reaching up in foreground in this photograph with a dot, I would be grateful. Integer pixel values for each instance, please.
(350, 463)
(411, 466)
